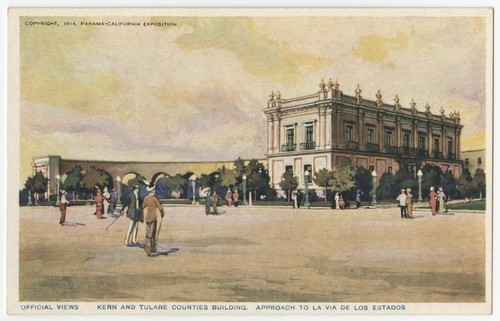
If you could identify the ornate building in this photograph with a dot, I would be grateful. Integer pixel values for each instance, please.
(329, 129)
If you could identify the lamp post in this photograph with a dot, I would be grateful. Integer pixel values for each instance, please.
(245, 190)
(118, 189)
(306, 185)
(419, 175)
(193, 184)
(58, 183)
(374, 196)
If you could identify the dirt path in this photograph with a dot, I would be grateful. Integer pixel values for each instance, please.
(256, 255)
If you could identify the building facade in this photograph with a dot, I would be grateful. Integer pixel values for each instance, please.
(329, 129)
(474, 160)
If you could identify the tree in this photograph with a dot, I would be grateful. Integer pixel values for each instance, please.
(385, 188)
(465, 184)
(323, 178)
(37, 184)
(364, 183)
(288, 183)
(432, 177)
(73, 180)
(96, 177)
(449, 184)
(177, 184)
(228, 177)
(479, 181)
(343, 178)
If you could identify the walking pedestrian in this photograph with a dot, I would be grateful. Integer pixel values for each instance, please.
(337, 200)
(358, 199)
(294, 199)
(299, 198)
(105, 201)
(208, 202)
(151, 205)
(341, 202)
(442, 200)
(134, 213)
(236, 197)
(215, 201)
(402, 203)
(62, 207)
(432, 200)
(409, 203)
(229, 197)
(98, 204)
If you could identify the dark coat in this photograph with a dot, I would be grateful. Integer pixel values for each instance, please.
(133, 212)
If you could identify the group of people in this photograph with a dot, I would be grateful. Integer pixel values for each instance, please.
(437, 201)
(105, 203)
(405, 200)
(339, 202)
(212, 200)
(140, 210)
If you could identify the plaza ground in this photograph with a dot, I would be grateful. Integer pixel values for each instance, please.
(255, 254)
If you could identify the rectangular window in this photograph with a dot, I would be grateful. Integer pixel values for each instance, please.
(406, 140)
(435, 148)
(466, 161)
(369, 136)
(289, 169)
(309, 134)
(421, 142)
(290, 136)
(479, 161)
(388, 138)
(348, 134)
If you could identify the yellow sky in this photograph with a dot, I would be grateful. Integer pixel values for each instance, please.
(195, 91)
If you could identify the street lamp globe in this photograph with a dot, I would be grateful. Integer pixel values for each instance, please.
(374, 173)
(419, 173)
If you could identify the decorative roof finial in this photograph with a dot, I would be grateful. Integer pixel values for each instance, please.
(397, 106)
(358, 94)
(271, 96)
(413, 108)
(330, 84)
(427, 108)
(278, 96)
(322, 86)
(379, 98)
(336, 85)
(441, 111)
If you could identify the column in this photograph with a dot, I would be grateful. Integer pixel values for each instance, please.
(397, 138)
(323, 127)
(270, 134)
(457, 142)
(329, 125)
(429, 139)
(319, 132)
(361, 130)
(277, 133)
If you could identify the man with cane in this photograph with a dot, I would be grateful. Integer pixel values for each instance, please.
(151, 205)
(133, 211)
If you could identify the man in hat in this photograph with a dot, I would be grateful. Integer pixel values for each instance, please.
(134, 213)
(62, 207)
(152, 205)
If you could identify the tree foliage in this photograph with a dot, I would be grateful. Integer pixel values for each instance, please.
(323, 178)
(177, 184)
(96, 177)
(343, 178)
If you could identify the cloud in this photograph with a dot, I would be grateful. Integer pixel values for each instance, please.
(196, 91)
(377, 48)
(259, 54)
